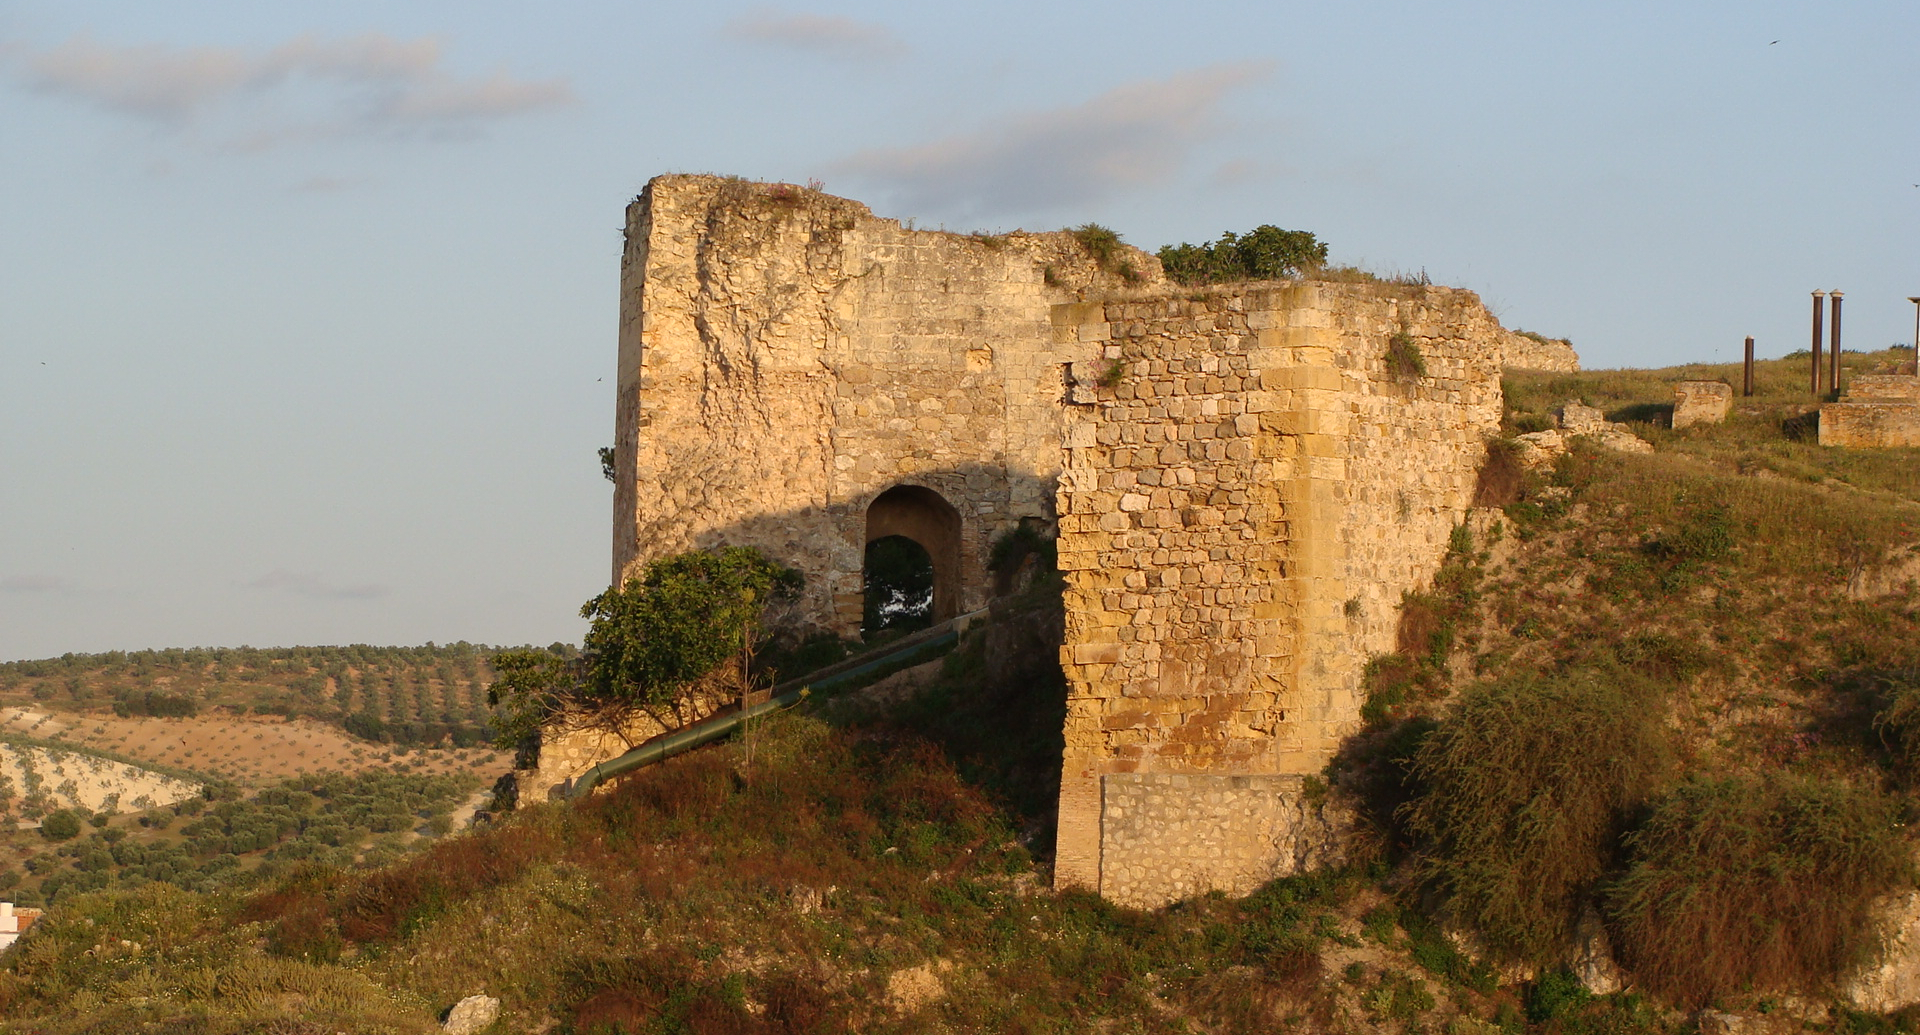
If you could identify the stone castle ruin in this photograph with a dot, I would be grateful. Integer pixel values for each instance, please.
(1241, 479)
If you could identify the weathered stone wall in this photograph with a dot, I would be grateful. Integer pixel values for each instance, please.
(1246, 496)
(1701, 402)
(1534, 352)
(786, 357)
(1878, 410)
(1243, 488)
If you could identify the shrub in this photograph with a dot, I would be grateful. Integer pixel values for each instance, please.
(1744, 884)
(1899, 723)
(677, 622)
(1267, 253)
(650, 642)
(59, 826)
(1100, 243)
(1404, 361)
(1526, 787)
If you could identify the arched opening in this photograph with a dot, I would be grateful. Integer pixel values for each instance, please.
(899, 586)
(927, 521)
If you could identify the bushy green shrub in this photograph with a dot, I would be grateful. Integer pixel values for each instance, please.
(650, 640)
(1525, 787)
(1266, 253)
(1743, 884)
(59, 826)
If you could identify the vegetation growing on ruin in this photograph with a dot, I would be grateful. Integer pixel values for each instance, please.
(1404, 361)
(1264, 253)
(1104, 247)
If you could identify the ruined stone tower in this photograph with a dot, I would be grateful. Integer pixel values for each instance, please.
(1241, 484)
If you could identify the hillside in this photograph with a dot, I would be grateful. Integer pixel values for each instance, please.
(402, 695)
(1665, 705)
(258, 716)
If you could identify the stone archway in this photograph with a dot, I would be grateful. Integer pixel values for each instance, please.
(924, 516)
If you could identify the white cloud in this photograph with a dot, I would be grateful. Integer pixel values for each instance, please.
(307, 585)
(824, 35)
(32, 584)
(1134, 135)
(308, 87)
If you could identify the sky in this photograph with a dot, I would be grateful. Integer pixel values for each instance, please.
(308, 312)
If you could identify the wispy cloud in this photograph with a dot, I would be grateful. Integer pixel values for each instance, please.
(1134, 135)
(323, 185)
(307, 585)
(33, 584)
(1240, 172)
(308, 87)
(824, 35)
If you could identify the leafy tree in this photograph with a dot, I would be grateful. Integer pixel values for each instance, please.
(650, 643)
(1267, 253)
(59, 826)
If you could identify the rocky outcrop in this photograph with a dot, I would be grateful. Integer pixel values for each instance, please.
(1580, 420)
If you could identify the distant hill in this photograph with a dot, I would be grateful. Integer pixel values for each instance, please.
(422, 695)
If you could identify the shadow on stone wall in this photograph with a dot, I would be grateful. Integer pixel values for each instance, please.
(996, 706)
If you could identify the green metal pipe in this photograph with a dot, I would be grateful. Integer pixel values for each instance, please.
(678, 742)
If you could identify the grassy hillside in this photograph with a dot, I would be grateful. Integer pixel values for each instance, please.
(1671, 700)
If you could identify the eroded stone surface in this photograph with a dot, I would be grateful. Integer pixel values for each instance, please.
(1879, 410)
(1701, 402)
(1893, 982)
(1580, 420)
(1541, 448)
(472, 1014)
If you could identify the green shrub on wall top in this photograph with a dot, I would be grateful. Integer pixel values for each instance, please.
(1267, 253)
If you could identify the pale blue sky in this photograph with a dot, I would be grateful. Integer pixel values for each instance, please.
(304, 309)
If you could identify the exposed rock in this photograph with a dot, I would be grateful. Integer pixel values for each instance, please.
(1620, 440)
(910, 989)
(1701, 402)
(1592, 959)
(1541, 448)
(1778, 1022)
(472, 1014)
(1894, 982)
(1579, 419)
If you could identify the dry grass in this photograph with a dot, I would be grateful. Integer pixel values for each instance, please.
(1742, 885)
(1527, 786)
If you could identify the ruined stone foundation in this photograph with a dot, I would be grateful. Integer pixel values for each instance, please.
(1242, 483)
